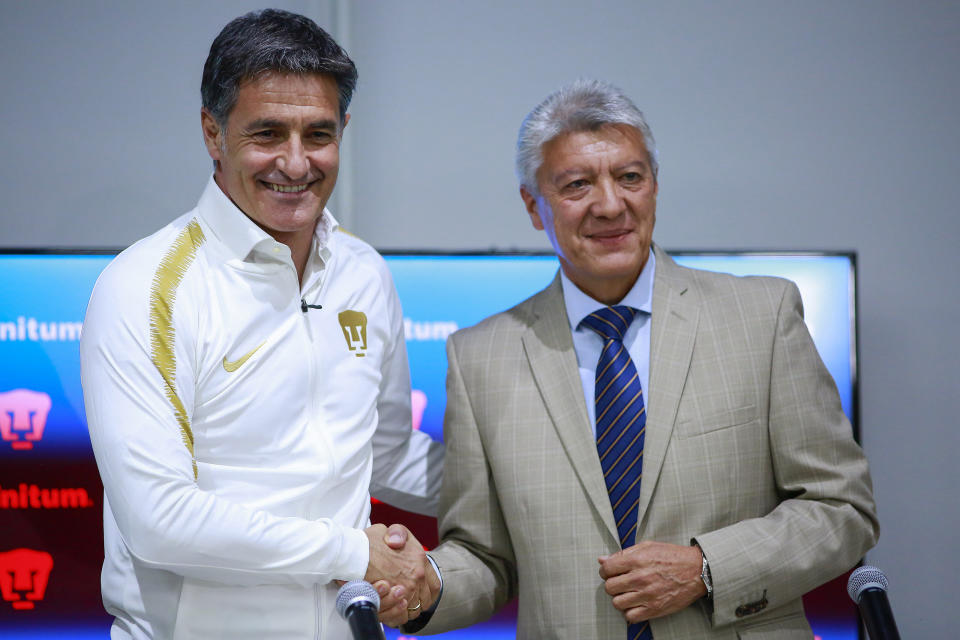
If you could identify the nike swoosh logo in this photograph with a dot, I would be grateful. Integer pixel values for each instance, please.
(236, 364)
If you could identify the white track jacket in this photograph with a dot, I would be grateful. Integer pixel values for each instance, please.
(239, 436)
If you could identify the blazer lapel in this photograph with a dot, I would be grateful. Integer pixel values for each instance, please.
(673, 331)
(549, 349)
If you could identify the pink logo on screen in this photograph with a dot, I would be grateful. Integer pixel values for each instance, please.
(418, 402)
(23, 577)
(23, 416)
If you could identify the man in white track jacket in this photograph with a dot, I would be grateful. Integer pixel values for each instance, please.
(245, 374)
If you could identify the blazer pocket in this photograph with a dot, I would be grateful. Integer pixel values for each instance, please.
(718, 421)
(789, 627)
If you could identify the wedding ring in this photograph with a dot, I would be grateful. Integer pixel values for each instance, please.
(416, 608)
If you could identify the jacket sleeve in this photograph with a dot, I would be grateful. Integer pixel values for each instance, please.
(138, 385)
(825, 520)
(476, 558)
(407, 464)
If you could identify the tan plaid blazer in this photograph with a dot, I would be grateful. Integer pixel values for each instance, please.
(747, 451)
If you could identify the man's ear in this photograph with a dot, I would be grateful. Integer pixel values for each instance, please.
(346, 121)
(212, 134)
(530, 202)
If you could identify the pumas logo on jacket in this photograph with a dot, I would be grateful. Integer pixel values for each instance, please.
(354, 326)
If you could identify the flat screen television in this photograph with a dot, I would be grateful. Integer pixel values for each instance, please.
(50, 492)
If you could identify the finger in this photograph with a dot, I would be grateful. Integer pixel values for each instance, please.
(389, 602)
(390, 597)
(620, 562)
(637, 614)
(417, 566)
(630, 600)
(422, 598)
(625, 583)
(395, 616)
(422, 594)
(400, 613)
(419, 603)
(383, 589)
(603, 571)
(393, 606)
(411, 539)
(396, 536)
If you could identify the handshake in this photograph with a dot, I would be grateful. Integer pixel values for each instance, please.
(401, 573)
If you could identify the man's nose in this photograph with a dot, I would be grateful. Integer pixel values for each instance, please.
(609, 201)
(293, 160)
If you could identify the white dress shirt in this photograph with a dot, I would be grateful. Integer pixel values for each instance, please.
(239, 435)
(587, 344)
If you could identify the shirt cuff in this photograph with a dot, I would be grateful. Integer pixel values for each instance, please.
(433, 563)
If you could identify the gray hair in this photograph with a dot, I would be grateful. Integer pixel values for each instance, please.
(271, 40)
(584, 105)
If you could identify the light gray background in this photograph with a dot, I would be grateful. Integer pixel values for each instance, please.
(784, 125)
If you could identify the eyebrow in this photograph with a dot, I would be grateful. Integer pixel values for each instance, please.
(560, 177)
(642, 164)
(268, 123)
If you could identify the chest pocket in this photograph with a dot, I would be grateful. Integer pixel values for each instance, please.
(717, 421)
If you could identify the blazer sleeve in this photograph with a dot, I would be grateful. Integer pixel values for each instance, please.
(826, 519)
(476, 558)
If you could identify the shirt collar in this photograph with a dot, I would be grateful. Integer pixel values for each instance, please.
(243, 237)
(579, 305)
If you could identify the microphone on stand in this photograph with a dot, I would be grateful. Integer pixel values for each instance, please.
(867, 587)
(358, 603)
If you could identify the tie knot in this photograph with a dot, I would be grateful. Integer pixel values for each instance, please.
(610, 322)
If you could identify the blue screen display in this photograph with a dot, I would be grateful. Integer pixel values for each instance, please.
(50, 496)
(442, 293)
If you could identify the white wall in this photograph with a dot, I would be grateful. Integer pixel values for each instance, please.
(101, 111)
(786, 125)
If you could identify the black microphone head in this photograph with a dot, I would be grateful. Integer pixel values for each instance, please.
(356, 591)
(866, 577)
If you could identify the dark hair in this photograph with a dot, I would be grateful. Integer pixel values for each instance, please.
(271, 40)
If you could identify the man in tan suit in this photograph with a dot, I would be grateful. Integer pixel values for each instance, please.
(751, 490)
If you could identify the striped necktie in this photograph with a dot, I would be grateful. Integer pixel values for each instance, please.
(621, 424)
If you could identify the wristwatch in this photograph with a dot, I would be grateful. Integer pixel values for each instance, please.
(705, 574)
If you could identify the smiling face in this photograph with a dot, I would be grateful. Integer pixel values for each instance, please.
(597, 204)
(278, 157)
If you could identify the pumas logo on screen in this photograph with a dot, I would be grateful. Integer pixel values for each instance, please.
(23, 417)
(354, 326)
(24, 574)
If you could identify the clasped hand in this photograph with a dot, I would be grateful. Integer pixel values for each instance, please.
(652, 579)
(401, 573)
